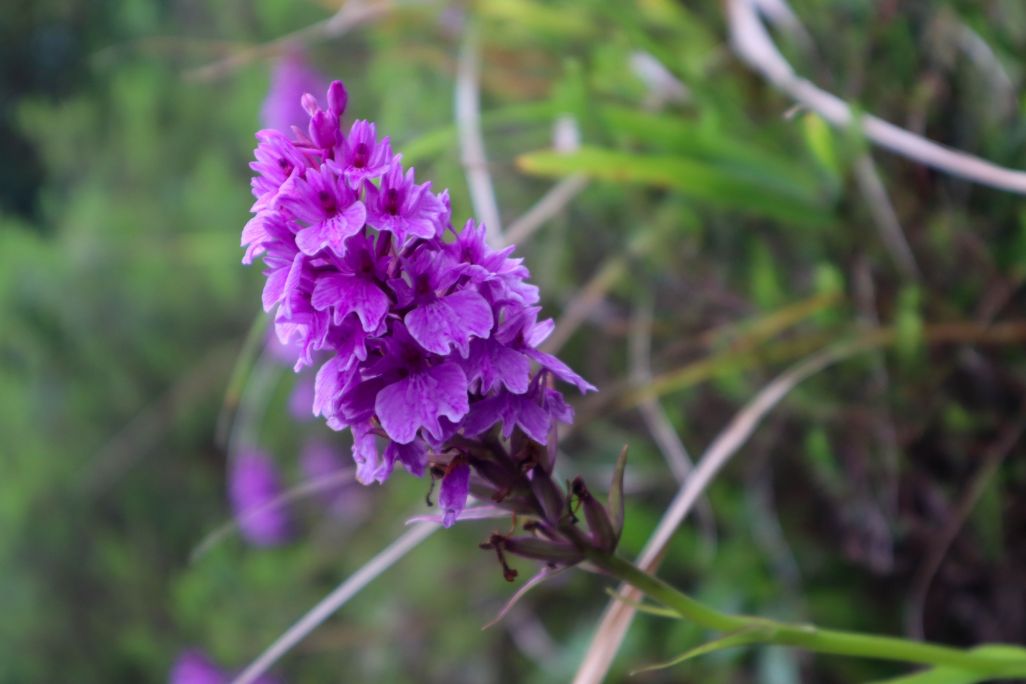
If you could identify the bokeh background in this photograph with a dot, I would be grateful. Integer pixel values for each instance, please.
(709, 236)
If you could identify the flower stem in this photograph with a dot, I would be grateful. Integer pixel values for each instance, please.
(809, 636)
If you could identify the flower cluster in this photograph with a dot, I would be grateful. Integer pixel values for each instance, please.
(431, 336)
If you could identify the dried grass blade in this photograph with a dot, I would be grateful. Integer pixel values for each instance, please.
(405, 543)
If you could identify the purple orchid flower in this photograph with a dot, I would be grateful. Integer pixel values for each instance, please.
(431, 336)
(363, 156)
(277, 158)
(442, 316)
(402, 207)
(421, 392)
(356, 287)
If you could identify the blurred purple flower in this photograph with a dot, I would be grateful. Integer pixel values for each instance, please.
(301, 398)
(194, 667)
(253, 483)
(291, 78)
(284, 354)
(432, 333)
(302, 394)
(319, 461)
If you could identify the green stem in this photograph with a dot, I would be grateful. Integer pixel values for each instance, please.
(686, 606)
(806, 636)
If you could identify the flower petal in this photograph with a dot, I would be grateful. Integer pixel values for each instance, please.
(450, 320)
(328, 384)
(512, 410)
(497, 365)
(274, 288)
(413, 456)
(333, 231)
(561, 370)
(419, 400)
(365, 454)
(348, 294)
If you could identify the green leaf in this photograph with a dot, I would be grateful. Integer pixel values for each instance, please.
(534, 18)
(615, 503)
(820, 139)
(743, 190)
(644, 607)
(908, 322)
(440, 139)
(950, 675)
(704, 141)
(744, 637)
(938, 675)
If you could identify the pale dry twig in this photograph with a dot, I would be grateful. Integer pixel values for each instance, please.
(351, 15)
(468, 124)
(992, 460)
(885, 218)
(753, 44)
(619, 613)
(551, 203)
(336, 599)
(656, 420)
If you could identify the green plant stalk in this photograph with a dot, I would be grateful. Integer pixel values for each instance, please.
(807, 636)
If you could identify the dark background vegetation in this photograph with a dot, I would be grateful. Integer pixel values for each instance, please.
(123, 190)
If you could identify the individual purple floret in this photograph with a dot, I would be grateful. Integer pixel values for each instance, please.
(253, 484)
(329, 210)
(400, 206)
(430, 335)
(364, 157)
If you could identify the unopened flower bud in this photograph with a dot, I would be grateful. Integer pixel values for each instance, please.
(324, 130)
(338, 98)
(599, 524)
(501, 474)
(309, 103)
(549, 497)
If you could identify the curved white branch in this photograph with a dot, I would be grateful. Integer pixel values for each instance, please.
(753, 44)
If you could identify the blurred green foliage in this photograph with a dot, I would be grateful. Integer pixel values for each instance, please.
(124, 308)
